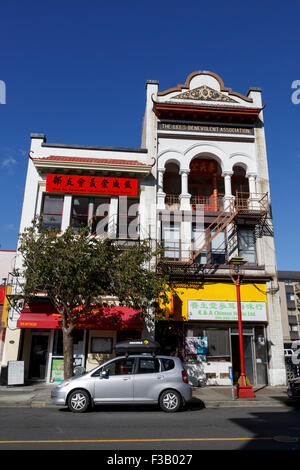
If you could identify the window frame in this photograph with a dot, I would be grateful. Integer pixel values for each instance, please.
(42, 213)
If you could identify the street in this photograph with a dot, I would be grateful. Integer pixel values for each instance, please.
(146, 428)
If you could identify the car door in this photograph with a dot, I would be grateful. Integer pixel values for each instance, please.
(147, 380)
(117, 386)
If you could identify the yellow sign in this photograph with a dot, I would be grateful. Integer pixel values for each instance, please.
(177, 308)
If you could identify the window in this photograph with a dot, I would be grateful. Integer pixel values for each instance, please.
(148, 365)
(288, 282)
(100, 216)
(167, 364)
(93, 211)
(171, 240)
(290, 296)
(80, 213)
(101, 345)
(246, 244)
(218, 249)
(128, 226)
(120, 366)
(52, 208)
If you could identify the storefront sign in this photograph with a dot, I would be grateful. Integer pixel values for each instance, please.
(15, 373)
(210, 129)
(221, 310)
(79, 184)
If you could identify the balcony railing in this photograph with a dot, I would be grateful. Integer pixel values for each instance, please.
(258, 202)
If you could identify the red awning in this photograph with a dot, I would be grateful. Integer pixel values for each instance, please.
(43, 315)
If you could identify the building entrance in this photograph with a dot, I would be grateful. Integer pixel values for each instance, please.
(248, 357)
(39, 355)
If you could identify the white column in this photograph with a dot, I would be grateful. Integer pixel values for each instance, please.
(160, 189)
(253, 196)
(66, 215)
(184, 197)
(228, 198)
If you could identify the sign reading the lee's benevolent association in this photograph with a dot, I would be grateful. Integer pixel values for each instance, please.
(92, 185)
(211, 129)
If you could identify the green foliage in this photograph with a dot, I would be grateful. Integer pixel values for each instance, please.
(77, 270)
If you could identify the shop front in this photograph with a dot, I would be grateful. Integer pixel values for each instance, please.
(202, 322)
(93, 340)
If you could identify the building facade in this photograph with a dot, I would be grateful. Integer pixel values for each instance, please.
(213, 202)
(198, 185)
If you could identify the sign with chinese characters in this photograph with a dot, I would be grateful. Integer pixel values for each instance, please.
(204, 166)
(80, 184)
(223, 310)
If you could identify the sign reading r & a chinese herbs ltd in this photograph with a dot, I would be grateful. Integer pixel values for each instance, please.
(226, 310)
(113, 186)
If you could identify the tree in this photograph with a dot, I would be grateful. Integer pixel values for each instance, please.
(77, 271)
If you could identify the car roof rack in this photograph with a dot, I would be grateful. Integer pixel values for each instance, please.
(137, 347)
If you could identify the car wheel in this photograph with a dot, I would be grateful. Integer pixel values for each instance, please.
(170, 401)
(78, 401)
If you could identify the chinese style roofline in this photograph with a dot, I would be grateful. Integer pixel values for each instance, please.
(186, 85)
(56, 161)
(212, 113)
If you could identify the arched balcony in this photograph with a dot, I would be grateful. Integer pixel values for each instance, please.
(183, 186)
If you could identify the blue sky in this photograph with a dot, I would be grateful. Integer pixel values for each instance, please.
(76, 71)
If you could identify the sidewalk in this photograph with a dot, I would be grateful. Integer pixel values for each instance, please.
(39, 395)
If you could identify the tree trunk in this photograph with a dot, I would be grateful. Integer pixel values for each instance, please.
(68, 353)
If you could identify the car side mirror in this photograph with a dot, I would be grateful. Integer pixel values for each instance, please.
(104, 374)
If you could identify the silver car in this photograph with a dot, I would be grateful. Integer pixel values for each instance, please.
(134, 379)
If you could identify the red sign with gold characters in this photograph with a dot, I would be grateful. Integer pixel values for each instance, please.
(209, 167)
(113, 186)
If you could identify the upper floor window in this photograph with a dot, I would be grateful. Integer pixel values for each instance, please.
(52, 208)
(128, 219)
(90, 211)
(246, 244)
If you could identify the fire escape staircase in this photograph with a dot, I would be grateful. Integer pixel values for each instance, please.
(220, 223)
(242, 205)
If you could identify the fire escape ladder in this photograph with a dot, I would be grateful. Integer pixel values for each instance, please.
(223, 219)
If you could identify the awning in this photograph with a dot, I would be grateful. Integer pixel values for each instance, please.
(44, 315)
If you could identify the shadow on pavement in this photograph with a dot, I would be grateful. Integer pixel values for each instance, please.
(194, 405)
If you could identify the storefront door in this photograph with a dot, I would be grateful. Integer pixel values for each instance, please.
(39, 355)
(248, 357)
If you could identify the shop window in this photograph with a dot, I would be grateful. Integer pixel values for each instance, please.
(218, 343)
(246, 244)
(101, 345)
(52, 208)
(210, 342)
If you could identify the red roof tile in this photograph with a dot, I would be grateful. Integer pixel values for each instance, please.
(99, 161)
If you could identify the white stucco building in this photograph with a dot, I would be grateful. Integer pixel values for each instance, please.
(202, 189)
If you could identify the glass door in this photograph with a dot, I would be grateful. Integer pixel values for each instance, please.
(248, 356)
(39, 355)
